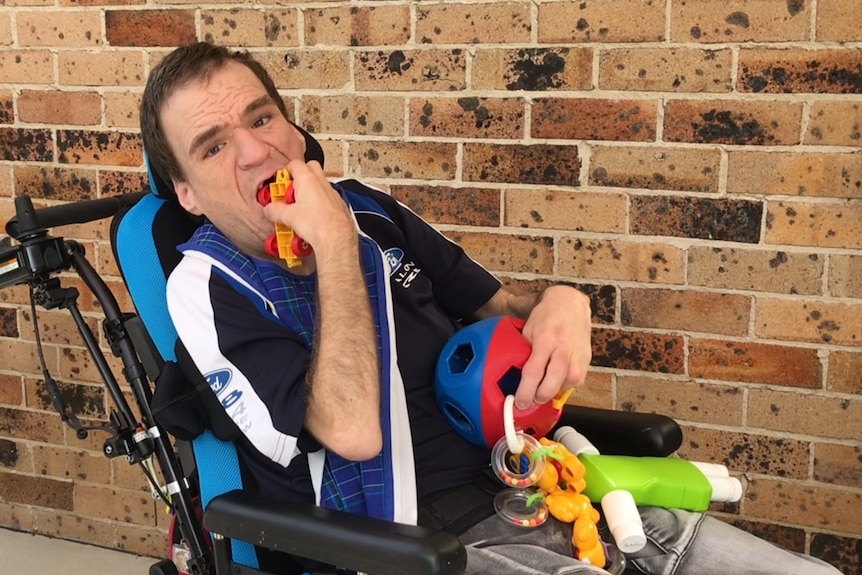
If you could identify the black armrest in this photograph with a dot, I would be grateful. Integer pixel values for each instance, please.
(343, 539)
(624, 432)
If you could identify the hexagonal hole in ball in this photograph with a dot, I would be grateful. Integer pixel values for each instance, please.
(461, 358)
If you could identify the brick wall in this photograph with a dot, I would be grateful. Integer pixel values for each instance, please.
(693, 165)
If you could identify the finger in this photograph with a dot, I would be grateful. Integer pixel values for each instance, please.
(531, 376)
(556, 375)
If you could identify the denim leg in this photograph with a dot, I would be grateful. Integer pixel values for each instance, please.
(497, 548)
(684, 543)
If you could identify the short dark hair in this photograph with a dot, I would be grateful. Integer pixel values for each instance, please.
(196, 61)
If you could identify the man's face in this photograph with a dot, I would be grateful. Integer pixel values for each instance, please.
(229, 137)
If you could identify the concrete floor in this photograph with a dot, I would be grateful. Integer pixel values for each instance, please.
(27, 554)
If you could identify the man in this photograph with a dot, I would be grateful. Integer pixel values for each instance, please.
(338, 354)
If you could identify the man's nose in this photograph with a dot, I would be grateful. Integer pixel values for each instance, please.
(250, 149)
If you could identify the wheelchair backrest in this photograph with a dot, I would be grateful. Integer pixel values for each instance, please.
(145, 239)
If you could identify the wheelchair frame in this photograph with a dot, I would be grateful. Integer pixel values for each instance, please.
(356, 542)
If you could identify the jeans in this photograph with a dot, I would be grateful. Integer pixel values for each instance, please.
(678, 543)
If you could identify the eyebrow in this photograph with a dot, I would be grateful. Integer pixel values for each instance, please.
(212, 131)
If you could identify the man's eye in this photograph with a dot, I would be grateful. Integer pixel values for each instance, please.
(262, 121)
(213, 151)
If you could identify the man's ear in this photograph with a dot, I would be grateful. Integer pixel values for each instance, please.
(186, 197)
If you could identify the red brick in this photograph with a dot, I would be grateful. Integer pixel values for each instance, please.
(683, 400)
(795, 174)
(565, 210)
(358, 25)
(16, 516)
(467, 117)
(502, 252)
(150, 27)
(665, 70)
(755, 363)
(53, 107)
(594, 119)
(494, 23)
(444, 205)
(113, 183)
(408, 160)
(437, 70)
(621, 260)
(66, 183)
(606, 21)
(526, 164)
(121, 109)
(756, 270)
(740, 21)
(732, 122)
(691, 310)
(250, 27)
(774, 71)
(533, 69)
(6, 38)
(143, 542)
(655, 168)
(834, 225)
(27, 66)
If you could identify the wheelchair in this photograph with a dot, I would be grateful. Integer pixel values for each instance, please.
(219, 527)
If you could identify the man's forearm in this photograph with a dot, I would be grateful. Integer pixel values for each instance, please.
(343, 410)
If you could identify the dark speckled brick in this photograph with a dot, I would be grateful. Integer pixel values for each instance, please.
(84, 400)
(89, 147)
(705, 218)
(39, 491)
(737, 122)
(68, 184)
(534, 164)
(150, 27)
(659, 353)
(844, 553)
(594, 119)
(602, 297)
(790, 538)
(7, 113)
(443, 205)
(118, 183)
(8, 322)
(21, 144)
(836, 71)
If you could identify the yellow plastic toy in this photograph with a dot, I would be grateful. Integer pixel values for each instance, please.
(284, 244)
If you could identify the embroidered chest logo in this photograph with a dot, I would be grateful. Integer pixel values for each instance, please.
(400, 271)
